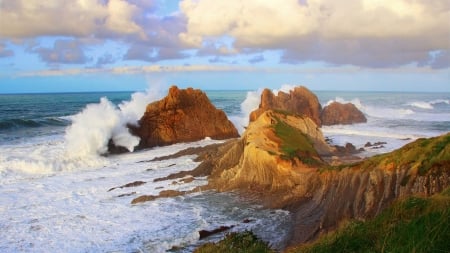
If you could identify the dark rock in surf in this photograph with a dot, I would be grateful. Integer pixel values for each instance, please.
(206, 233)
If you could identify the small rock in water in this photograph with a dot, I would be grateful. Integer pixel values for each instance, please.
(205, 233)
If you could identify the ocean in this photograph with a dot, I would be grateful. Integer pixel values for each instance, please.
(54, 183)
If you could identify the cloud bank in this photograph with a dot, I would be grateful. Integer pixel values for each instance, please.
(369, 33)
(364, 33)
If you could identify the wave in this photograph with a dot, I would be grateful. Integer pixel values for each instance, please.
(421, 105)
(21, 123)
(428, 105)
(402, 113)
(93, 127)
(384, 133)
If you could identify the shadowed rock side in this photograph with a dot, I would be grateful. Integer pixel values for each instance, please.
(184, 115)
(278, 161)
(299, 101)
(345, 114)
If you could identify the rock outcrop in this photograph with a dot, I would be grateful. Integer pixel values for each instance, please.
(184, 115)
(268, 165)
(265, 157)
(300, 101)
(338, 113)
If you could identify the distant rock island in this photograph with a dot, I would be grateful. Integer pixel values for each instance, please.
(344, 114)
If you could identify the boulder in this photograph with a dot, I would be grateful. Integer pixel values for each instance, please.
(338, 113)
(300, 101)
(184, 115)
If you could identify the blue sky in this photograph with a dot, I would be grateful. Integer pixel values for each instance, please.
(84, 45)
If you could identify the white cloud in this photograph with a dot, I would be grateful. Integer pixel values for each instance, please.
(30, 18)
(374, 33)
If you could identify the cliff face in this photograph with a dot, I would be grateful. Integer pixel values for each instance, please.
(337, 113)
(182, 116)
(278, 161)
(263, 159)
(299, 101)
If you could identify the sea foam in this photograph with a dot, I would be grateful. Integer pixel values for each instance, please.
(251, 103)
(93, 127)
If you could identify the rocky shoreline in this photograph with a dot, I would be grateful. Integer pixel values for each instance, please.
(282, 160)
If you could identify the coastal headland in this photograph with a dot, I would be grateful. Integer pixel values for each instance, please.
(282, 160)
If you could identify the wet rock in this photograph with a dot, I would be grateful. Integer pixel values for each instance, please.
(143, 198)
(162, 194)
(206, 233)
(133, 184)
(126, 194)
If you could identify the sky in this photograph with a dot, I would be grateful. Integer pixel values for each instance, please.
(108, 45)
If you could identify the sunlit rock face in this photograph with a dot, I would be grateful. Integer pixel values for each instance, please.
(344, 114)
(184, 115)
(300, 101)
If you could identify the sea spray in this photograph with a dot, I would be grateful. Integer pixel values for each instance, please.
(251, 103)
(97, 124)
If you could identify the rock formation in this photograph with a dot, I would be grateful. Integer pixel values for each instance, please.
(184, 115)
(337, 113)
(278, 161)
(299, 101)
(265, 156)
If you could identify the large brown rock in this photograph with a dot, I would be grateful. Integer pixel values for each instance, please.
(345, 114)
(300, 101)
(184, 115)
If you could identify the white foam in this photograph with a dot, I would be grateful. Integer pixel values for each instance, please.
(421, 105)
(73, 211)
(250, 104)
(93, 127)
(440, 101)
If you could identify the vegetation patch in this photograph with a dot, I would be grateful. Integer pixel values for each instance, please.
(414, 224)
(423, 154)
(245, 242)
(295, 144)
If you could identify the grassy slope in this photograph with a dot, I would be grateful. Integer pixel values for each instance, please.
(411, 225)
(245, 242)
(414, 224)
(422, 155)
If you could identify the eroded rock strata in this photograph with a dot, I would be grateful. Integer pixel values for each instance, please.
(299, 101)
(267, 163)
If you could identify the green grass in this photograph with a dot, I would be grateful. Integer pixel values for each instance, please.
(414, 224)
(245, 242)
(295, 144)
(423, 154)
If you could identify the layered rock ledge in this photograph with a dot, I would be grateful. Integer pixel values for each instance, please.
(278, 162)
